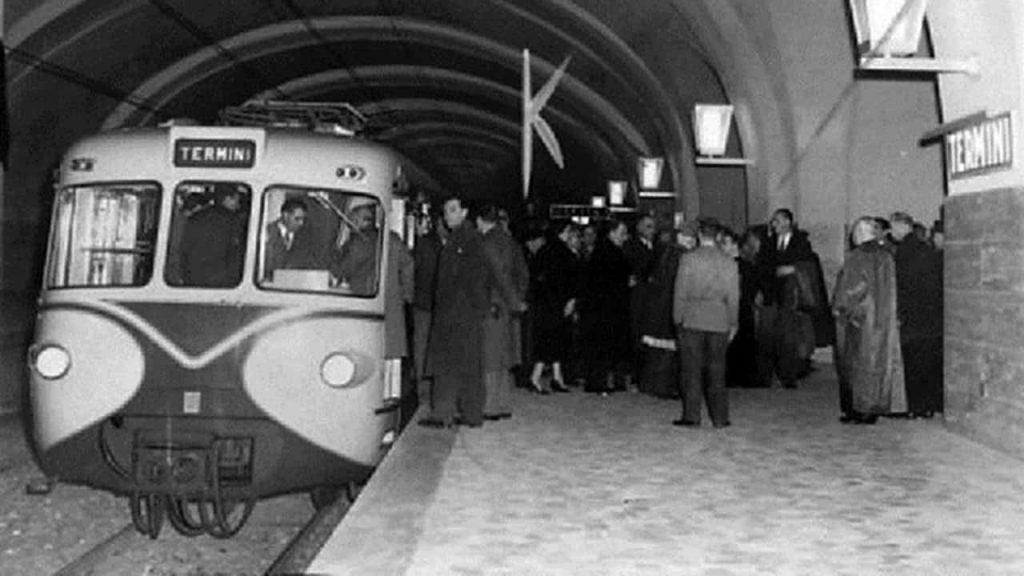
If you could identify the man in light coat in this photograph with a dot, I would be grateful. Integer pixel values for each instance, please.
(705, 310)
(507, 297)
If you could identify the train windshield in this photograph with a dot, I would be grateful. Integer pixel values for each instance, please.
(103, 235)
(206, 247)
(320, 241)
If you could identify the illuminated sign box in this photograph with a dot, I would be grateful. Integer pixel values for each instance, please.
(979, 145)
(562, 211)
(207, 153)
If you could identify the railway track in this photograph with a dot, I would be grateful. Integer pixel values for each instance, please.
(301, 551)
(255, 550)
(87, 563)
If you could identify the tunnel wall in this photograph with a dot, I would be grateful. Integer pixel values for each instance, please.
(984, 255)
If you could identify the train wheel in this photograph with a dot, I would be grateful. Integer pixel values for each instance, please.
(148, 513)
(324, 496)
(352, 490)
(186, 520)
(224, 518)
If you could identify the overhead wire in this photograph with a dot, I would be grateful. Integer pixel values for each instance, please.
(77, 78)
(206, 39)
(333, 59)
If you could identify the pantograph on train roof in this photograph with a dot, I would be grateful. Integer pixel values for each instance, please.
(338, 118)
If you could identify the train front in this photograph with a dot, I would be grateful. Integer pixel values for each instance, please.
(211, 325)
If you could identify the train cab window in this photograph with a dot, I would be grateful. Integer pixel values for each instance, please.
(103, 235)
(206, 248)
(321, 241)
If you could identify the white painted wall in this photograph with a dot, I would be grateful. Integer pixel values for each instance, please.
(991, 31)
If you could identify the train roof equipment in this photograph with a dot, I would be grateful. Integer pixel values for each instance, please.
(338, 118)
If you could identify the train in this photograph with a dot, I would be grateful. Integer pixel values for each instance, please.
(201, 341)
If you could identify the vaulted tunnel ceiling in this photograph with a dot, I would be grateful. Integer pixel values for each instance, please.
(438, 80)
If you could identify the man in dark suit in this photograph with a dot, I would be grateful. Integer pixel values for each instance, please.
(639, 250)
(425, 256)
(288, 245)
(919, 307)
(455, 355)
(787, 334)
(213, 243)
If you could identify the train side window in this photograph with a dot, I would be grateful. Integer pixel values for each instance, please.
(103, 235)
(321, 241)
(206, 247)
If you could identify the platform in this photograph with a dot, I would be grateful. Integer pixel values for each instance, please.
(583, 484)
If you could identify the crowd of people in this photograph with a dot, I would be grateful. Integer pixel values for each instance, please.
(679, 314)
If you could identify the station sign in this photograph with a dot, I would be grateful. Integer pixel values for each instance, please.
(979, 145)
(214, 153)
(564, 211)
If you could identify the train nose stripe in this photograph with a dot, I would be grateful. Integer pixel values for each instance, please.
(172, 349)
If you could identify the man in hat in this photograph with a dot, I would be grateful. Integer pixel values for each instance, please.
(706, 312)
(919, 308)
(354, 264)
(660, 372)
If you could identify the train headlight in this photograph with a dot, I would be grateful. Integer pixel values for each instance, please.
(51, 361)
(338, 370)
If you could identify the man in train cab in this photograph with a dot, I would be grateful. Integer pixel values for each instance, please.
(455, 352)
(288, 245)
(213, 240)
(354, 262)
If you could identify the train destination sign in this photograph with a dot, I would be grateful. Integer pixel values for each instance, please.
(983, 144)
(194, 153)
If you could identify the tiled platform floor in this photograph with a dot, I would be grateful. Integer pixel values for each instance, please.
(578, 484)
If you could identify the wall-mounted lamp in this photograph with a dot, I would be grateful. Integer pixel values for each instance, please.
(649, 170)
(616, 193)
(711, 124)
(888, 34)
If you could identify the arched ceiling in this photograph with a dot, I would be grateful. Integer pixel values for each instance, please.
(439, 80)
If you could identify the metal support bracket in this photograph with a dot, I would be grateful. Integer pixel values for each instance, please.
(969, 66)
(715, 161)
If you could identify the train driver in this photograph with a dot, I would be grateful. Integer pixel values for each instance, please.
(354, 262)
(288, 242)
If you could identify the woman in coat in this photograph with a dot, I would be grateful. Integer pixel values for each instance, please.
(554, 300)
(869, 363)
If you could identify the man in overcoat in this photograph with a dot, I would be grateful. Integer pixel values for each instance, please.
(919, 305)
(507, 297)
(455, 353)
(425, 256)
(642, 256)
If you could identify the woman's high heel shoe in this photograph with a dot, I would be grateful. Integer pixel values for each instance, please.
(557, 386)
(536, 388)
